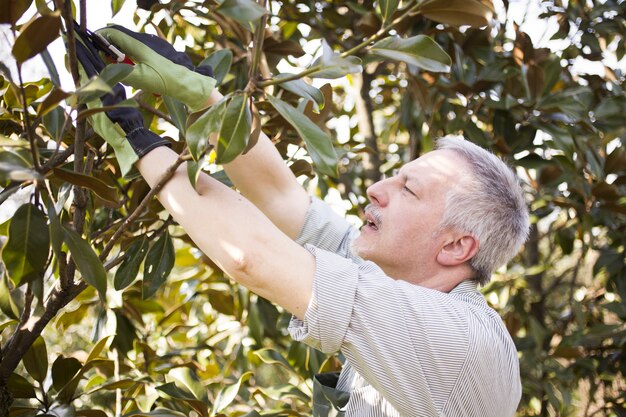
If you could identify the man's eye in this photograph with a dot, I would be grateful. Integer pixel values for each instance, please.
(408, 190)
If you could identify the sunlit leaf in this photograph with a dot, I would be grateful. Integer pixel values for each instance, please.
(36, 360)
(172, 391)
(87, 261)
(319, 144)
(228, 394)
(53, 100)
(116, 6)
(129, 268)
(26, 252)
(159, 263)
(419, 50)
(235, 130)
(35, 37)
(7, 304)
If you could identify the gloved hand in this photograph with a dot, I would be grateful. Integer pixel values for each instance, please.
(122, 127)
(160, 69)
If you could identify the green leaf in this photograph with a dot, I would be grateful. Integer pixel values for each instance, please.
(177, 112)
(387, 8)
(102, 190)
(52, 69)
(115, 73)
(63, 370)
(228, 394)
(93, 89)
(36, 360)
(457, 12)
(12, 10)
(19, 387)
(116, 5)
(318, 143)
(53, 121)
(272, 357)
(158, 265)
(246, 12)
(67, 392)
(86, 260)
(129, 269)
(157, 412)
(419, 50)
(89, 112)
(36, 36)
(210, 122)
(220, 61)
(188, 378)
(194, 169)
(26, 252)
(51, 101)
(302, 89)
(171, 390)
(235, 130)
(333, 65)
(7, 304)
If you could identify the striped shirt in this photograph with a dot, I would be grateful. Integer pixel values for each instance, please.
(410, 351)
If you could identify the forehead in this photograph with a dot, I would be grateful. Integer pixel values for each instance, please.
(440, 166)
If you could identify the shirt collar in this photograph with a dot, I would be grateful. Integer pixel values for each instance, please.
(468, 285)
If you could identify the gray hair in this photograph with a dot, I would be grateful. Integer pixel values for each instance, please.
(490, 206)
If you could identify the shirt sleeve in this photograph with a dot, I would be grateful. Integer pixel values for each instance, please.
(401, 338)
(325, 229)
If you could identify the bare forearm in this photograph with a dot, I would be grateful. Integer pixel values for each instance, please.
(263, 178)
(234, 234)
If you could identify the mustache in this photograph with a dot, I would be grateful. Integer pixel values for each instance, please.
(372, 210)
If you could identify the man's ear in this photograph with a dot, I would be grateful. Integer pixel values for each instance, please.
(458, 251)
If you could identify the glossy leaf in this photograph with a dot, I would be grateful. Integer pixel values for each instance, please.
(235, 130)
(102, 190)
(63, 370)
(333, 65)
(228, 394)
(7, 304)
(36, 360)
(36, 36)
(419, 50)
(457, 12)
(208, 123)
(302, 89)
(220, 61)
(177, 112)
(54, 120)
(319, 144)
(159, 263)
(387, 8)
(53, 100)
(26, 252)
(12, 10)
(129, 268)
(87, 261)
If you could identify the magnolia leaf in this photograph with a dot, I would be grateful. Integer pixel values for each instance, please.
(53, 121)
(12, 10)
(189, 379)
(272, 357)
(246, 12)
(419, 50)
(36, 360)
(86, 260)
(228, 394)
(26, 252)
(7, 304)
(19, 387)
(102, 190)
(235, 130)
(129, 268)
(333, 65)
(387, 8)
(93, 89)
(304, 90)
(159, 263)
(318, 143)
(177, 112)
(114, 73)
(116, 5)
(457, 12)
(89, 112)
(36, 36)
(171, 390)
(157, 412)
(210, 122)
(53, 100)
(52, 69)
(220, 61)
(63, 370)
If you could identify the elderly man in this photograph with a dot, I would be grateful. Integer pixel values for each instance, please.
(399, 299)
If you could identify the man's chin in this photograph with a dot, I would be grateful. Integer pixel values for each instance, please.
(359, 248)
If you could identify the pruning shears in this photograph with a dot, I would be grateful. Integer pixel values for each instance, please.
(101, 44)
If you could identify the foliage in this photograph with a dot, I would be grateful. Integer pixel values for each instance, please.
(93, 322)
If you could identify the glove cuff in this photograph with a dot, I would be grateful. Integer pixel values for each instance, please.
(143, 141)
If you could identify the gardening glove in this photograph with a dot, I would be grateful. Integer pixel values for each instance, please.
(120, 127)
(160, 69)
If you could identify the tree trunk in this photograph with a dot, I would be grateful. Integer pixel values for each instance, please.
(6, 399)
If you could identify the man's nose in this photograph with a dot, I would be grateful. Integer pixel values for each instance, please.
(377, 193)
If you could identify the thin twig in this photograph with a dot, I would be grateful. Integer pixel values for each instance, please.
(155, 111)
(257, 46)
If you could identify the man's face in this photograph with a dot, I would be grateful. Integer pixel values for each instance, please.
(402, 229)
